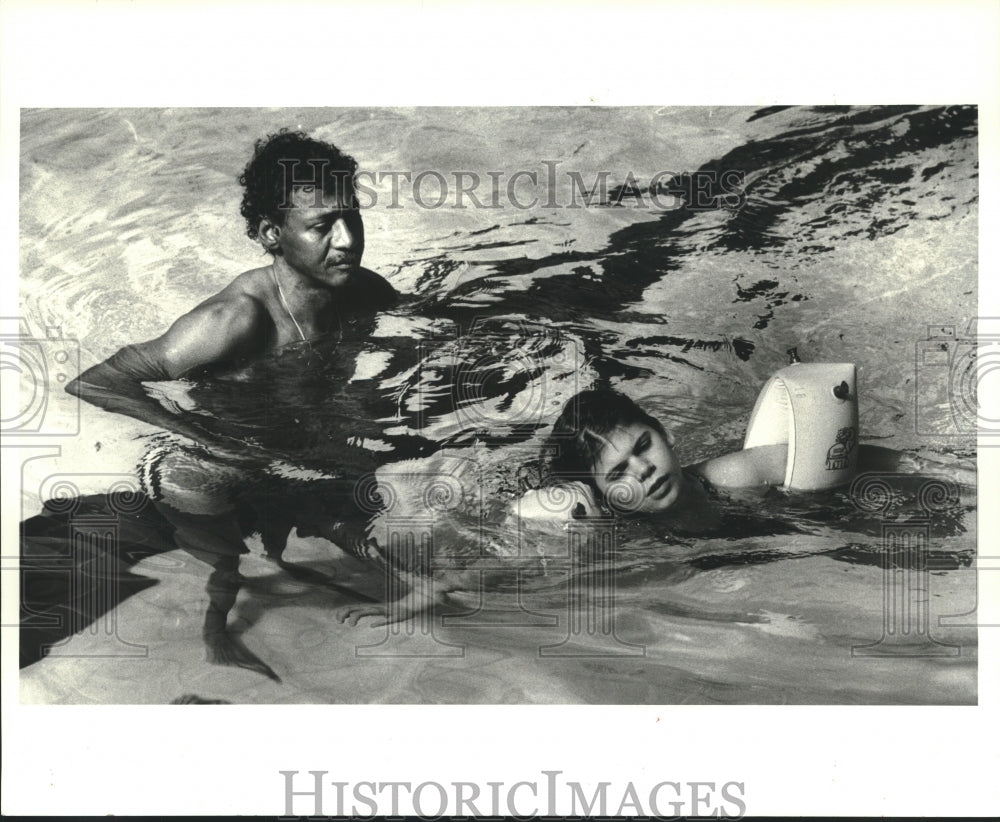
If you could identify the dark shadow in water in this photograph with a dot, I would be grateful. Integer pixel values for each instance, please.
(76, 560)
(868, 156)
(77, 556)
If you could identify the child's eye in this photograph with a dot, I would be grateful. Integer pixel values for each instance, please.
(643, 443)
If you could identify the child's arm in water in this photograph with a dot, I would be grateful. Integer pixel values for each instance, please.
(426, 592)
(457, 564)
(765, 465)
(421, 596)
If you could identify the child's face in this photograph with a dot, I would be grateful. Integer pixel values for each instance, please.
(637, 470)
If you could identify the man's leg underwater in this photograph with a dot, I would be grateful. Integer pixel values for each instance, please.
(216, 540)
(198, 498)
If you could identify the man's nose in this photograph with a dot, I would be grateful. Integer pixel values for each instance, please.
(343, 237)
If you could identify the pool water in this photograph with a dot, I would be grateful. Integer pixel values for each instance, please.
(851, 236)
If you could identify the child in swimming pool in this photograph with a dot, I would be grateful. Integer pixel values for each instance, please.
(613, 457)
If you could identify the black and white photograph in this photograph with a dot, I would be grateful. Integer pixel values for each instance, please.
(477, 427)
(652, 415)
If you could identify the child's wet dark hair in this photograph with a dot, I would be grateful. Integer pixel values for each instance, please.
(286, 159)
(577, 435)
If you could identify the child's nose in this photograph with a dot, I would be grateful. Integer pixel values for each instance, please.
(643, 469)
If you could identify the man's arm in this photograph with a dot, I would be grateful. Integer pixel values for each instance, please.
(217, 331)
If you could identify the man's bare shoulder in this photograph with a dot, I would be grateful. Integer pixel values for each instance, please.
(239, 308)
(229, 325)
(254, 282)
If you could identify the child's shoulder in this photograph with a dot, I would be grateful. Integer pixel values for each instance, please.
(562, 501)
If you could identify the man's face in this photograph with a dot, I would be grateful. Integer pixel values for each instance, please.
(323, 237)
(637, 470)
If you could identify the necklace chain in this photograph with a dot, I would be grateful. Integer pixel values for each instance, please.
(291, 316)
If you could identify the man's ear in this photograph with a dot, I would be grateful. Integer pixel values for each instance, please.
(269, 233)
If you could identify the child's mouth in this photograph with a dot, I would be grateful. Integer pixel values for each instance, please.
(660, 488)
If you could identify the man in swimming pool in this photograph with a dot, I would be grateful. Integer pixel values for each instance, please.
(300, 203)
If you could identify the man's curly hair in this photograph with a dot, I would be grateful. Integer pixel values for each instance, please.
(283, 160)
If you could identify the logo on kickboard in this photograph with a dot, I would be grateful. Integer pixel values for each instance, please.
(838, 455)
